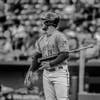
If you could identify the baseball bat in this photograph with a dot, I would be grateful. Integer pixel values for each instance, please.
(72, 51)
(54, 56)
(81, 48)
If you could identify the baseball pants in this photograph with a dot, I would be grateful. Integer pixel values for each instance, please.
(56, 84)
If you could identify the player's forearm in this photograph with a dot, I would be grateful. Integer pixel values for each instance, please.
(34, 65)
(60, 58)
(30, 68)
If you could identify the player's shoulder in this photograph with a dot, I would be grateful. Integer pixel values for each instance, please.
(59, 34)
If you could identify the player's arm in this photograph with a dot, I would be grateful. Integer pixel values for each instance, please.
(63, 47)
(37, 54)
(34, 66)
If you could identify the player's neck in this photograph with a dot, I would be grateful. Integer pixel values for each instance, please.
(50, 31)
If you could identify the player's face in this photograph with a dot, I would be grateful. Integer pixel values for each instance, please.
(44, 27)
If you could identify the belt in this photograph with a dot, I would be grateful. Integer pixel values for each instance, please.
(54, 69)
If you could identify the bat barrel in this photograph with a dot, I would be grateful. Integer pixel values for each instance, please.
(82, 48)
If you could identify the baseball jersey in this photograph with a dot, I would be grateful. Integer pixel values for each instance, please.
(52, 45)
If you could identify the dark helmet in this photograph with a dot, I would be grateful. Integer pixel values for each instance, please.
(50, 19)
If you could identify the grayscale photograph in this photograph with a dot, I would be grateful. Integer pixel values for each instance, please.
(49, 49)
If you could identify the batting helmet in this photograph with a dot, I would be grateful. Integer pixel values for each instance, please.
(50, 19)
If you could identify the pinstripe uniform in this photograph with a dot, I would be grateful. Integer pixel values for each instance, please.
(55, 80)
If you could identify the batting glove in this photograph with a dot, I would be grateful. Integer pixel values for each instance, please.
(45, 65)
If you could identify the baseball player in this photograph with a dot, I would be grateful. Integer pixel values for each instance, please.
(55, 71)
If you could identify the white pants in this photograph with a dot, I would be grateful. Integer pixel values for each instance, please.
(56, 84)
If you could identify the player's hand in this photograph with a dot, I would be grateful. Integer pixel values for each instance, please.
(45, 65)
(27, 81)
(31, 77)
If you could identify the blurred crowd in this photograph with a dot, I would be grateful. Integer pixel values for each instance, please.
(20, 26)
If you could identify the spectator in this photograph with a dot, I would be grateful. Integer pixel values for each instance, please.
(5, 48)
(1, 31)
(20, 19)
(2, 8)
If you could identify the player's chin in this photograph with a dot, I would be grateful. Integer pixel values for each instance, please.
(45, 28)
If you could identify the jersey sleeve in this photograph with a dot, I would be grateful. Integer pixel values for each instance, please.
(62, 43)
(37, 47)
